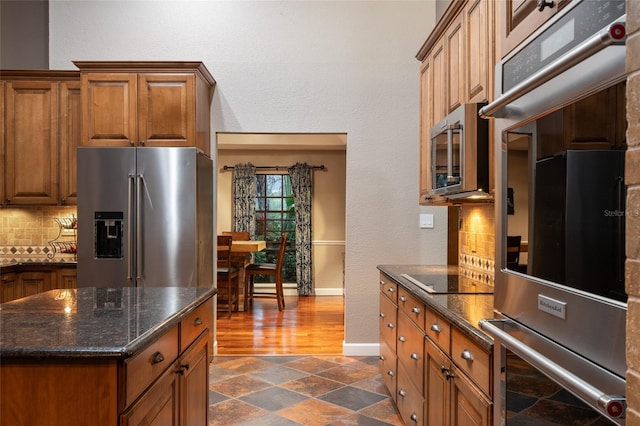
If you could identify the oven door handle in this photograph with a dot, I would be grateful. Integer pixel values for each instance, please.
(610, 405)
(613, 33)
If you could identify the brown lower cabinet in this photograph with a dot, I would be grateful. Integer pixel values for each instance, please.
(164, 383)
(25, 280)
(435, 372)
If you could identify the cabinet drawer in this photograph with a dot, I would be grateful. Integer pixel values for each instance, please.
(439, 330)
(142, 369)
(412, 307)
(195, 323)
(389, 288)
(411, 350)
(388, 324)
(471, 359)
(388, 368)
(409, 401)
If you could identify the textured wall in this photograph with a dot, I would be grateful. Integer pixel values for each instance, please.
(632, 178)
(310, 66)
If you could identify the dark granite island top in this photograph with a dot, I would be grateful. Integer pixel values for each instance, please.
(93, 322)
(464, 310)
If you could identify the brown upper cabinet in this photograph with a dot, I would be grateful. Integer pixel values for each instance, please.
(520, 18)
(458, 60)
(146, 104)
(41, 128)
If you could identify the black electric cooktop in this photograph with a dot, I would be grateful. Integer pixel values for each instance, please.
(447, 283)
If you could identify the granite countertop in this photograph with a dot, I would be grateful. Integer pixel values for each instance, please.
(93, 322)
(463, 310)
(7, 265)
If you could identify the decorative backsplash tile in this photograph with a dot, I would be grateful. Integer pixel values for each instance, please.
(477, 242)
(25, 233)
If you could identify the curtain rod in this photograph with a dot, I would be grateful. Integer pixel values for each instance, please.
(321, 167)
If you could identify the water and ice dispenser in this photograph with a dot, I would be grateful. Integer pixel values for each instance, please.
(108, 228)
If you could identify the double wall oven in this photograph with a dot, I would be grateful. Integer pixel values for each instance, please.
(560, 124)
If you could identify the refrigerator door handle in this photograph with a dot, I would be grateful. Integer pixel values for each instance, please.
(139, 183)
(129, 233)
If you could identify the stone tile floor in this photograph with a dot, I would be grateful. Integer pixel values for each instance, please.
(298, 390)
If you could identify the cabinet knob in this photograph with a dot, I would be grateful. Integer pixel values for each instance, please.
(403, 299)
(381, 314)
(381, 358)
(390, 290)
(414, 417)
(182, 369)
(382, 282)
(132, 143)
(415, 310)
(447, 373)
(197, 321)
(141, 143)
(390, 373)
(402, 339)
(402, 393)
(435, 328)
(157, 358)
(63, 201)
(415, 356)
(390, 325)
(545, 3)
(466, 355)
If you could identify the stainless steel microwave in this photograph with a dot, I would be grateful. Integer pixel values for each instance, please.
(460, 154)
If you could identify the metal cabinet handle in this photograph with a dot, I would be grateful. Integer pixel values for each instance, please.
(132, 143)
(414, 417)
(381, 314)
(197, 321)
(390, 373)
(157, 358)
(390, 325)
(402, 339)
(182, 369)
(447, 373)
(142, 143)
(403, 299)
(381, 358)
(391, 290)
(435, 328)
(415, 310)
(402, 393)
(415, 356)
(466, 355)
(545, 3)
(382, 282)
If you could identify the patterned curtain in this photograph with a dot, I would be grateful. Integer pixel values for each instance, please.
(300, 174)
(244, 198)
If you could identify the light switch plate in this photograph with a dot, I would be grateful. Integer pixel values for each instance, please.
(426, 220)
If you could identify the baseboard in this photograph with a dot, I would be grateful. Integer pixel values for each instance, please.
(360, 349)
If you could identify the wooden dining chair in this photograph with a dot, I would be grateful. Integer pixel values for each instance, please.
(228, 276)
(513, 251)
(273, 269)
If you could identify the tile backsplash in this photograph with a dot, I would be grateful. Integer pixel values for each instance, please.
(477, 242)
(25, 233)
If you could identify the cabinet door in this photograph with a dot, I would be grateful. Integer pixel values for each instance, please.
(70, 114)
(193, 371)
(166, 110)
(456, 64)
(66, 278)
(109, 109)
(469, 407)
(478, 63)
(9, 289)
(437, 386)
(425, 126)
(158, 406)
(437, 87)
(31, 142)
(34, 282)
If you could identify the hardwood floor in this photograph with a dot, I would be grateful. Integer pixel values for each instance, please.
(311, 325)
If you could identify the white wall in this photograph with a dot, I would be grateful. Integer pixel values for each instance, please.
(304, 66)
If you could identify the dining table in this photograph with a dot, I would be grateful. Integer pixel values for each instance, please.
(241, 258)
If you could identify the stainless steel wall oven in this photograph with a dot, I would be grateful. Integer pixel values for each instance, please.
(560, 125)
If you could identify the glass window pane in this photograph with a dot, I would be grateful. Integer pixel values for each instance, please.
(275, 204)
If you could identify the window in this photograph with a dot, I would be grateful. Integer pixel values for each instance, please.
(275, 213)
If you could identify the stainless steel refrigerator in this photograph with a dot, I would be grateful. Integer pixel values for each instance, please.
(145, 217)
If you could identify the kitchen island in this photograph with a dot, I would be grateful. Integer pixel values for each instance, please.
(99, 356)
